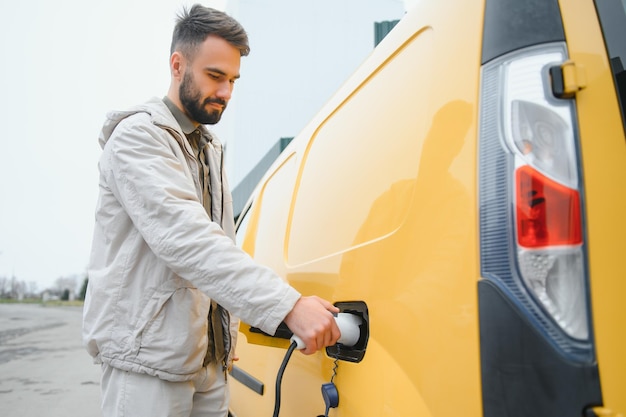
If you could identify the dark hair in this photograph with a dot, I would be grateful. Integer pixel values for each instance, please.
(194, 25)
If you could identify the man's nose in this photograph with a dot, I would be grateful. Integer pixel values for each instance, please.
(225, 90)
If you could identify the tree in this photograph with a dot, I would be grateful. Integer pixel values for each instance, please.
(32, 288)
(83, 290)
(66, 287)
(3, 287)
(17, 288)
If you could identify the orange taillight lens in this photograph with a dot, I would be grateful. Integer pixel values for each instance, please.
(548, 213)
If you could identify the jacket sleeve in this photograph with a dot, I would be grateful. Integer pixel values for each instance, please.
(149, 181)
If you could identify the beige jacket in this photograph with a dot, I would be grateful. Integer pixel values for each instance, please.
(157, 259)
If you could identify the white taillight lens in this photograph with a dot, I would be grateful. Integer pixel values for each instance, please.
(538, 127)
(557, 280)
(544, 140)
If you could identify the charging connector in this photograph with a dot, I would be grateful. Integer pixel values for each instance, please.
(348, 326)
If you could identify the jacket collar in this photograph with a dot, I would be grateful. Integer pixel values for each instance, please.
(183, 120)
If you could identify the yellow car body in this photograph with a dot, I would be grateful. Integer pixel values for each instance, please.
(381, 200)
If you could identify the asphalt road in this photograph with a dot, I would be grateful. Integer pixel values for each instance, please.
(44, 369)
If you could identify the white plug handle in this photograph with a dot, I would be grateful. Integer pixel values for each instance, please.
(348, 326)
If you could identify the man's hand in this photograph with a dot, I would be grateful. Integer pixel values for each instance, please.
(312, 320)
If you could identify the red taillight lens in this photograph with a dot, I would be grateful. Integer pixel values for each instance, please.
(548, 213)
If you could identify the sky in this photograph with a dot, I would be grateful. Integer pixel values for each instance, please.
(65, 64)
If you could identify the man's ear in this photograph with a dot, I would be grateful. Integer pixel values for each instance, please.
(177, 65)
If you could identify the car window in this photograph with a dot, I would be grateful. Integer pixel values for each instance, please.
(242, 225)
(612, 15)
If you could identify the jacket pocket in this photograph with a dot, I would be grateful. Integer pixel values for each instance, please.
(175, 336)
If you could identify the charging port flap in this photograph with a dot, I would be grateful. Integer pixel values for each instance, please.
(357, 352)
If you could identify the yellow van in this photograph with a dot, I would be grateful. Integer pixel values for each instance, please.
(464, 195)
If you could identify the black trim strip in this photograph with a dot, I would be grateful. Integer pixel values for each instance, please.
(613, 20)
(522, 374)
(282, 332)
(248, 380)
(514, 24)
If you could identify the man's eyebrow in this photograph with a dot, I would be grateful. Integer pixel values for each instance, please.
(219, 71)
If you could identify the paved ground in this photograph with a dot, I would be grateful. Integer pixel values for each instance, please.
(44, 370)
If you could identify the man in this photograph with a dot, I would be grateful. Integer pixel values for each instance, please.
(165, 274)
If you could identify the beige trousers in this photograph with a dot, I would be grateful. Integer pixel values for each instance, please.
(128, 394)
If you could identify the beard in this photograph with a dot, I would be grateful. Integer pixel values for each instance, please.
(195, 105)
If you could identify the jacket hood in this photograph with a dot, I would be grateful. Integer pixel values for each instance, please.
(155, 107)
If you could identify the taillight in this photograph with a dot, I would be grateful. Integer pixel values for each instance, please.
(531, 213)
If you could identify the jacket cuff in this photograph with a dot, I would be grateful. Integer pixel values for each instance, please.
(278, 314)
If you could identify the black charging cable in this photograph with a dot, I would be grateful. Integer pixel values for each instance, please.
(279, 377)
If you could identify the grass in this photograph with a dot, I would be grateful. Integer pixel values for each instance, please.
(49, 303)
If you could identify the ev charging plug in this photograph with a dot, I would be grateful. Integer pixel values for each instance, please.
(348, 326)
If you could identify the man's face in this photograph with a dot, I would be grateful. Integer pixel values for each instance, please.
(204, 110)
(208, 80)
